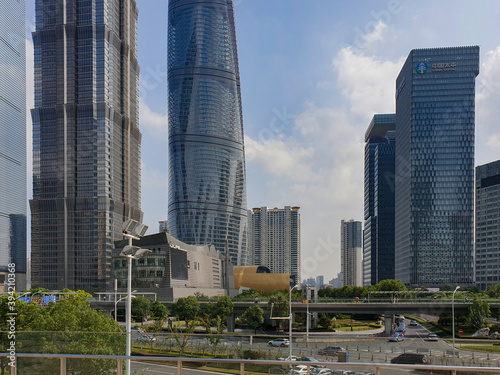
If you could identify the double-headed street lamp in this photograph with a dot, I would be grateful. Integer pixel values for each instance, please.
(121, 299)
(453, 318)
(133, 231)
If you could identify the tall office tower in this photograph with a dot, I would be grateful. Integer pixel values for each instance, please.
(207, 188)
(351, 253)
(487, 224)
(86, 139)
(378, 233)
(320, 280)
(435, 166)
(13, 141)
(274, 239)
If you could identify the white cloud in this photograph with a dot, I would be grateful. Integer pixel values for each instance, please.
(377, 34)
(154, 123)
(494, 142)
(367, 81)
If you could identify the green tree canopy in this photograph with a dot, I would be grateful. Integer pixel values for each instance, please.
(225, 307)
(187, 308)
(390, 285)
(140, 308)
(159, 311)
(479, 313)
(253, 317)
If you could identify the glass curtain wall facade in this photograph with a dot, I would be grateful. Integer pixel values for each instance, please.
(351, 248)
(378, 232)
(435, 166)
(274, 239)
(86, 139)
(13, 196)
(488, 225)
(207, 184)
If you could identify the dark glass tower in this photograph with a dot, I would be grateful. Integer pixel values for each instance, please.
(86, 139)
(435, 166)
(488, 225)
(207, 187)
(378, 233)
(13, 140)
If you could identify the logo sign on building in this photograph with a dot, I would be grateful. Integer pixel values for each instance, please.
(444, 67)
(421, 67)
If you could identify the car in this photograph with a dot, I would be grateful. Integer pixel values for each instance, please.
(311, 359)
(396, 337)
(432, 337)
(331, 350)
(413, 323)
(279, 342)
(322, 371)
(410, 359)
(299, 370)
(289, 358)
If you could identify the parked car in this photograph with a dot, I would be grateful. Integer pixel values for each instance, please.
(413, 323)
(322, 371)
(290, 358)
(396, 337)
(331, 350)
(279, 342)
(410, 359)
(311, 359)
(432, 337)
(299, 370)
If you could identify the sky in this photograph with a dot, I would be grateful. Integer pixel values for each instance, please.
(313, 74)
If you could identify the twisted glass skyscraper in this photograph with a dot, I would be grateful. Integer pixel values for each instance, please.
(207, 192)
(86, 139)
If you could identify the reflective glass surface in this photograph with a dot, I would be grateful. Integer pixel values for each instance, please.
(435, 166)
(86, 139)
(207, 188)
(12, 136)
(488, 224)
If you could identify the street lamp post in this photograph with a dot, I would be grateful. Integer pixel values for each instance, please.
(290, 321)
(453, 319)
(121, 299)
(133, 231)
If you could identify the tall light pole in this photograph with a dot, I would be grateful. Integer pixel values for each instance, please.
(133, 231)
(290, 321)
(453, 319)
(121, 299)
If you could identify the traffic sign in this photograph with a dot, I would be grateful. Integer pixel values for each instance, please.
(460, 331)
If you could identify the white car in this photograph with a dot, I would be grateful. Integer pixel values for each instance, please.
(292, 358)
(299, 370)
(321, 371)
(432, 337)
(279, 342)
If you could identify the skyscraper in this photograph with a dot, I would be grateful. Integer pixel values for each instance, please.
(274, 239)
(86, 139)
(207, 188)
(435, 166)
(378, 233)
(13, 141)
(487, 224)
(351, 253)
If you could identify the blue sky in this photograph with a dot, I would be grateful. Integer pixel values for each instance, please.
(313, 73)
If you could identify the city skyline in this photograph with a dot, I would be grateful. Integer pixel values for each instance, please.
(345, 72)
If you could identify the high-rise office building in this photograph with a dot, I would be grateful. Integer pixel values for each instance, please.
(207, 188)
(351, 253)
(435, 166)
(488, 224)
(274, 239)
(13, 141)
(86, 139)
(320, 280)
(378, 233)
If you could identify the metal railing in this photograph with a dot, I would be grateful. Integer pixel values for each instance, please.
(61, 361)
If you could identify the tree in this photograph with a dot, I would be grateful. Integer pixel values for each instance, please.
(253, 317)
(141, 307)
(71, 326)
(479, 313)
(225, 307)
(324, 321)
(390, 285)
(278, 304)
(159, 311)
(187, 308)
(182, 338)
(493, 291)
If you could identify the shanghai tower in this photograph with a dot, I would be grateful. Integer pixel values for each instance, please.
(207, 184)
(86, 139)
